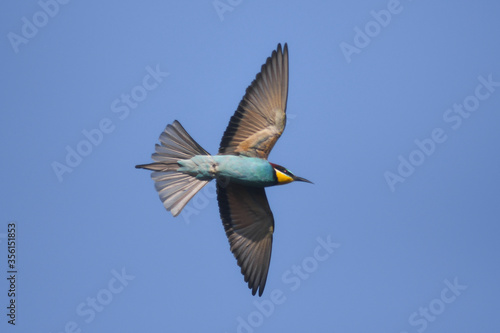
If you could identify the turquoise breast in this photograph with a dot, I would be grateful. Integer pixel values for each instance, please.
(250, 171)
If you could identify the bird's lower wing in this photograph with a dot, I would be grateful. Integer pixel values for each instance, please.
(249, 225)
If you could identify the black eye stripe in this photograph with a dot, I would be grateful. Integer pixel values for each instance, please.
(285, 171)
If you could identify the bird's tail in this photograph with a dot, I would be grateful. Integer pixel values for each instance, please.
(175, 188)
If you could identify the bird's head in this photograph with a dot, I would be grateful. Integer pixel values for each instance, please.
(285, 176)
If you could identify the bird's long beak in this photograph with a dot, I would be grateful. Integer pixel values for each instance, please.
(300, 179)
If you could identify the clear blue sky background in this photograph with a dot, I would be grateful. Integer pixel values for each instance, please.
(416, 253)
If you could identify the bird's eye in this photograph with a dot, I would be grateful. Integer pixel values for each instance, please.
(285, 171)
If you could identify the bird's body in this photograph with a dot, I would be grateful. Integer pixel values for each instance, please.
(182, 167)
(249, 171)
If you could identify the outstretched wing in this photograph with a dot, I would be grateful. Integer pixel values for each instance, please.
(249, 225)
(261, 115)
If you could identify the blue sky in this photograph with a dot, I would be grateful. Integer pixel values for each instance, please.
(393, 114)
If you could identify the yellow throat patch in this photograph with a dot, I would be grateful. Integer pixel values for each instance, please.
(282, 178)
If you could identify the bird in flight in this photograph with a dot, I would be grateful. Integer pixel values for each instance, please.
(182, 167)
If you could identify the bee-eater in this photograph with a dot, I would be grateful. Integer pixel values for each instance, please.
(241, 170)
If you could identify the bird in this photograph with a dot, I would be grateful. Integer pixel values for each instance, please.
(241, 170)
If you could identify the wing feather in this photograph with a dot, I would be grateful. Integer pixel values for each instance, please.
(249, 225)
(260, 117)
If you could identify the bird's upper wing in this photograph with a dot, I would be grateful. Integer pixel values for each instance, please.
(249, 225)
(260, 118)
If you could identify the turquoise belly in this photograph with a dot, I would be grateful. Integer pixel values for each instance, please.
(248, 171)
